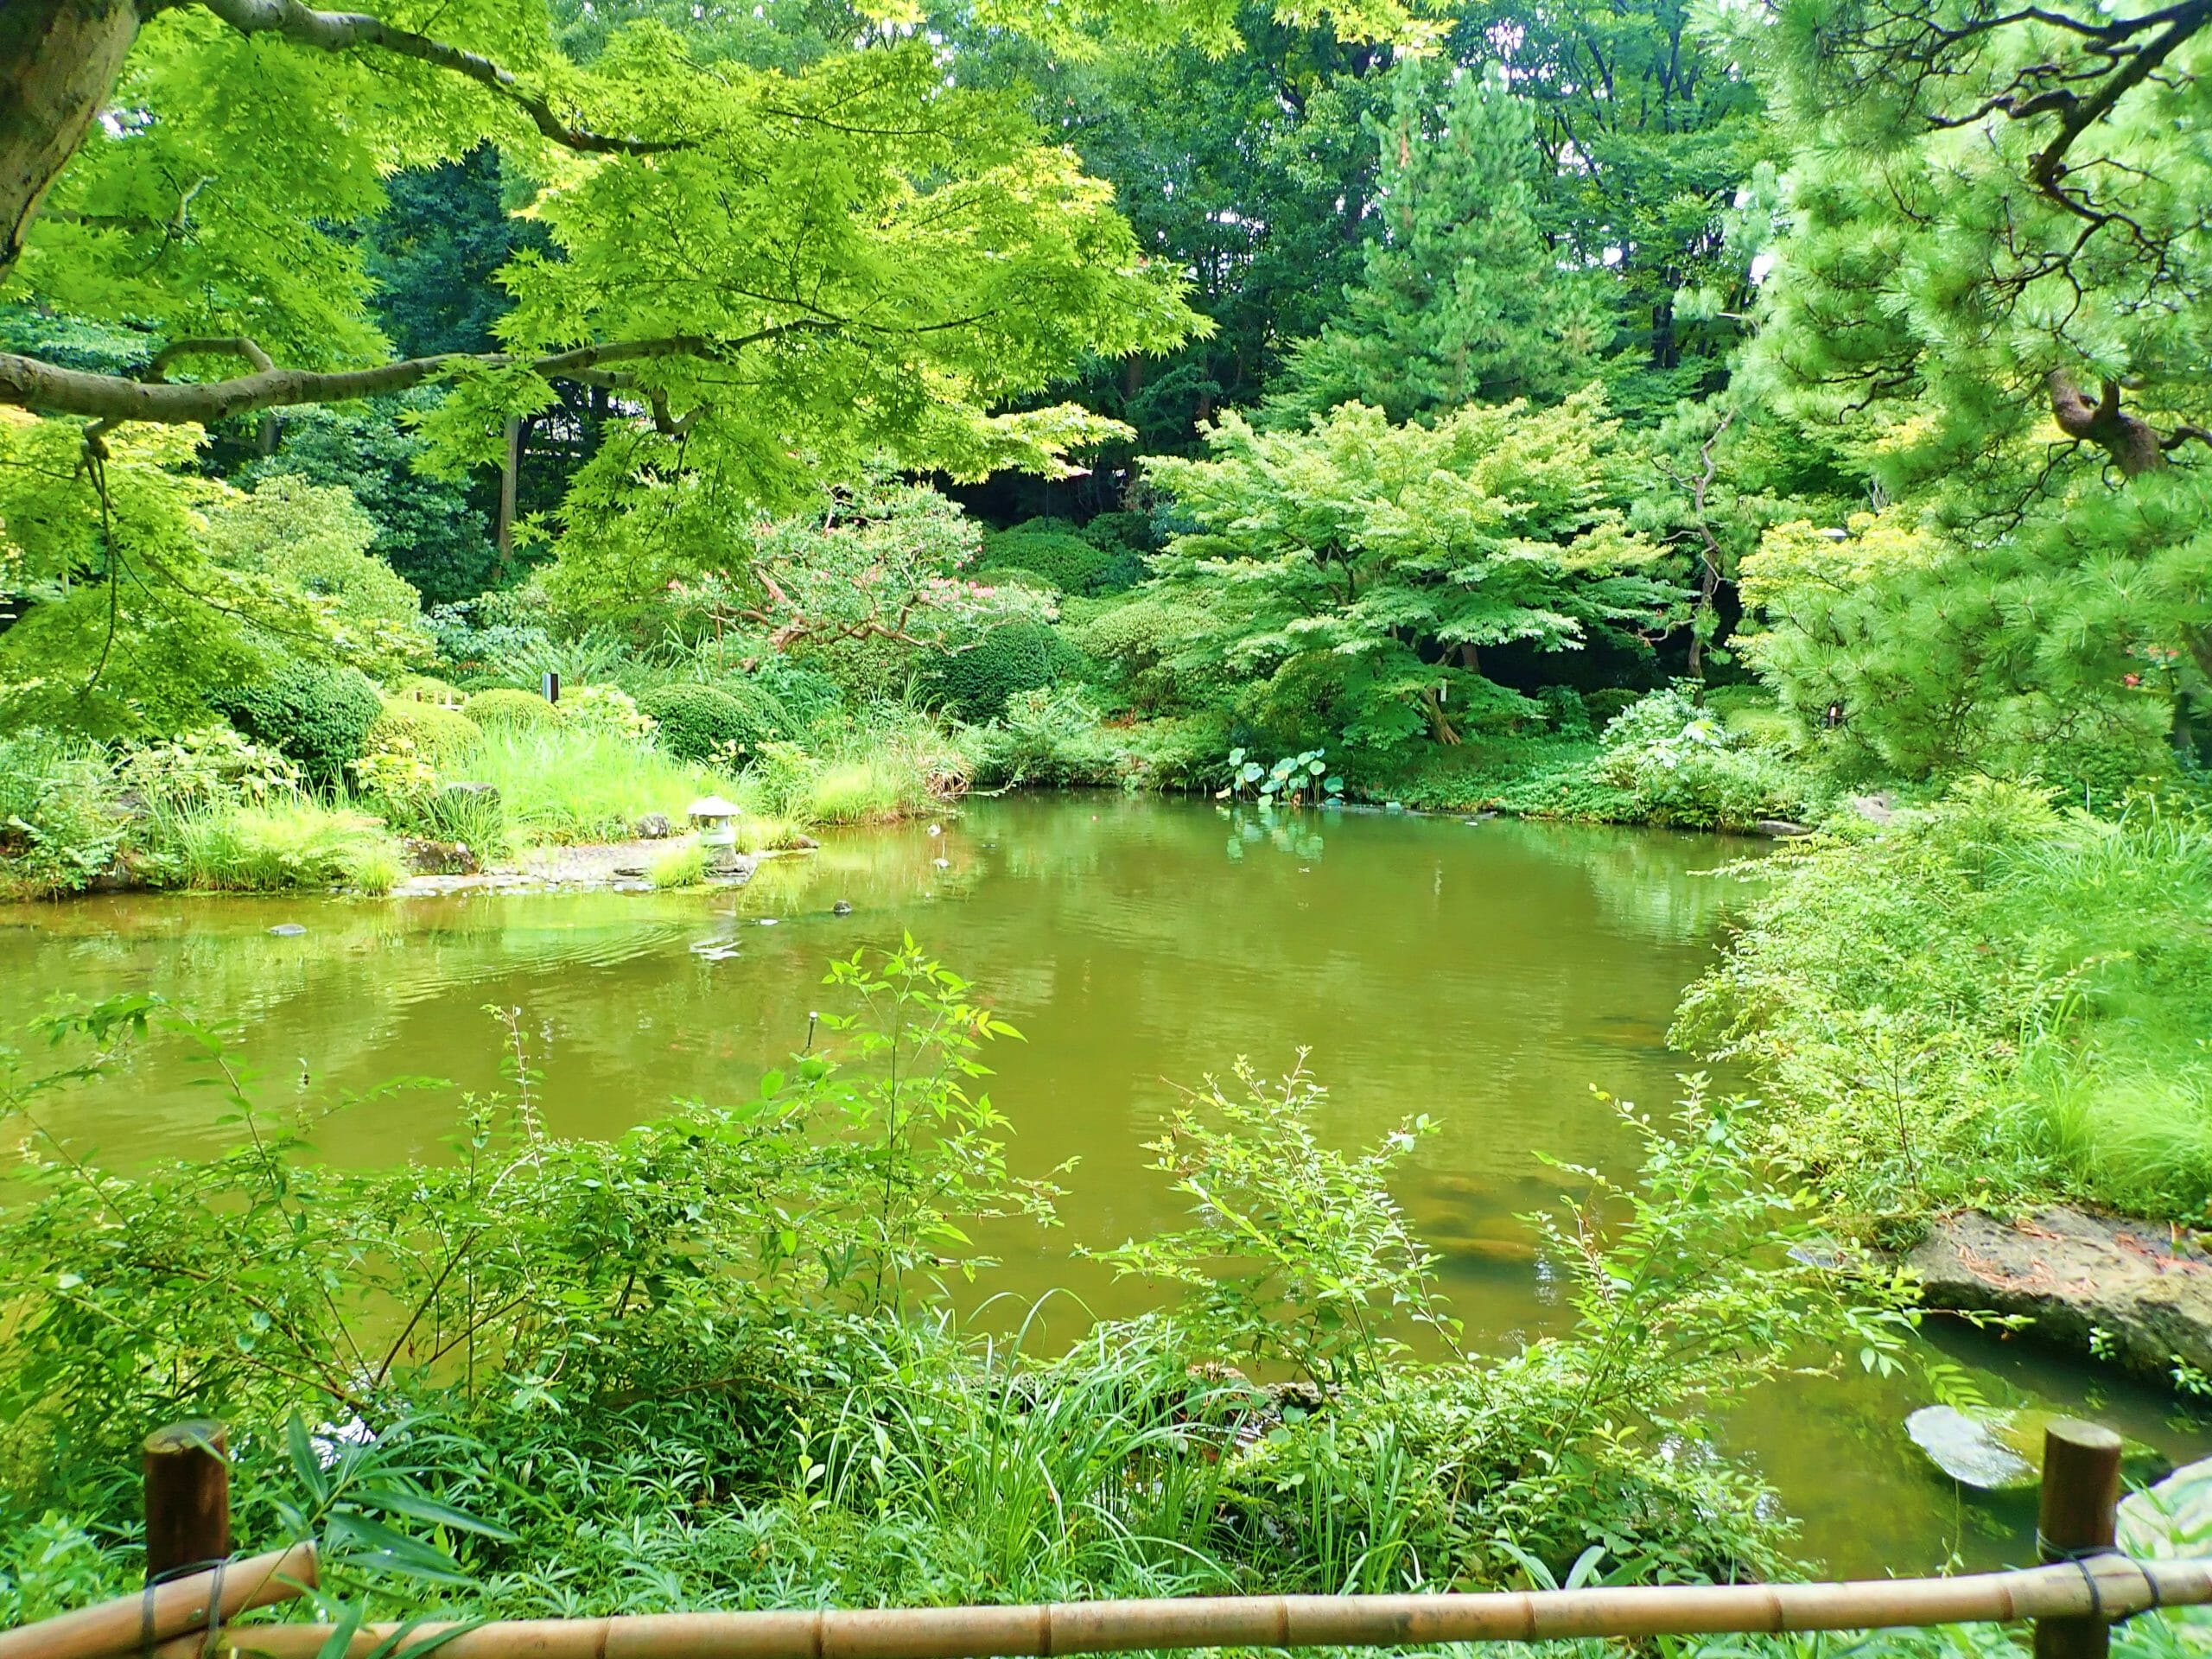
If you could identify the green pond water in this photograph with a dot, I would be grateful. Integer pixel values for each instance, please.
(1490, 975)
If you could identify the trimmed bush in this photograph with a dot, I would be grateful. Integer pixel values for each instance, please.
(506, 706)
(1069, 562)
(426, 688)
(699, 722)
(316, 715)
(443, 737)
(1014, 657)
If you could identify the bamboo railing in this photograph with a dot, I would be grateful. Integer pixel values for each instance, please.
(2074, 1601)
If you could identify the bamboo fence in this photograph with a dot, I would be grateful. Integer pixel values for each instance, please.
(2074, 1601)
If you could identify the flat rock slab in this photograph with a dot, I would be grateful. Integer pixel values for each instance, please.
(2073, 1272)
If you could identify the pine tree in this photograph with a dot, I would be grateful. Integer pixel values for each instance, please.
(1464, 299)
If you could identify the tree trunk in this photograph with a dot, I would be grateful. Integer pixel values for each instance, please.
(59, 59)
(509, 471)
(2130, 440)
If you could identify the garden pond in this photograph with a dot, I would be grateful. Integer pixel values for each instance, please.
(1494, 974)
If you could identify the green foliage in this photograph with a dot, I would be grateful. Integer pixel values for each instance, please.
(1289, 782)
(1679, 764)
(709, 722)
(315, 537)
(61, 823)
(1297, 1254)
(1464, 299)
(684, 865)
(1071, 563)
(321, 717)
(1940, 657)
(505, 707)
(424, 528)
(293, 843)
(608, 709)
(1992, 1002)
(1026, 656)
(564, 785)
(1345, 579)
(440, 736)
(212, 766)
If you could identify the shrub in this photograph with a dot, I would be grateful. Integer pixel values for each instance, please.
(563, 785)
(442, 737)
(61, 823)
(426, 687)
(505, 706)
(206, 767)
(1608, 702)
(706, 722)
(318, 715)
(1680, 764)
(608, 710)
(1061, 557)
(1015, 656)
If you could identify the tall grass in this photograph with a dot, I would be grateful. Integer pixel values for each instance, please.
(1997, 1001)
(565, 787)
(287, 845)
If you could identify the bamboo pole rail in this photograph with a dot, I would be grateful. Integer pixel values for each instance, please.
(166, 1610)
(2101, 1588)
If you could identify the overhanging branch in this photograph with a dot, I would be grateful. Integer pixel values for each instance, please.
(26, 383)
(335, 31)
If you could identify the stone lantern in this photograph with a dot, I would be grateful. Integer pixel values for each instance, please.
(716, 820)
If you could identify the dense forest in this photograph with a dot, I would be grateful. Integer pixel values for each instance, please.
(437, 434)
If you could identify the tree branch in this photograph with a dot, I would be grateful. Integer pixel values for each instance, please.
(334, 31)
(26, 383)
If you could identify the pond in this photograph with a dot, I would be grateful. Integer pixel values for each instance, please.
(1490, 974)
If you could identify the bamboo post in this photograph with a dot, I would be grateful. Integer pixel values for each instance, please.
(2076, 1520)
(188, 1497)
(182, 1607)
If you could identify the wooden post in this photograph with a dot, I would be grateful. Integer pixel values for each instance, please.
(188, 1497)
(2077, 1516)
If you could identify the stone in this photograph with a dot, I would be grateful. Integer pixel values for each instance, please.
(805, 843)
(2072, 1274)
(287, 929)
(841, 908)
(2171, 1518)
(441, 857)
(629, 869)
(1999, 1450)
(654, 826)
(1875, 809)
(1781, 829)
(633, 887)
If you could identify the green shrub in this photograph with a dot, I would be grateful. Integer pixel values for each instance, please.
(441, 737)
(1071, 563)
(60, 821)
(506, 706)
(1679, 764)
(707, 723)
(1607, 703)
(1015, 657)
(318, 715)
(426, 687)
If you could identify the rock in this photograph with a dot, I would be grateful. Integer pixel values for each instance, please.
(654, 826)
(806, 843)
(1993, 1450)
(287, 929)
(2073, 1273)
(1781, 829)
(841, 908)
(441, 857)
(1875, 809)
(629, 869)
(633, 887)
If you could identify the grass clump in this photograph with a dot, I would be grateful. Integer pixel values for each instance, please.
(1993, 1001)
(566, 787)
(681, 866)
(283, 845)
